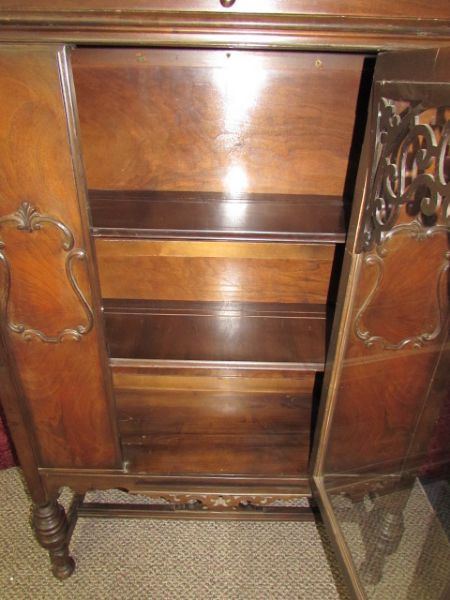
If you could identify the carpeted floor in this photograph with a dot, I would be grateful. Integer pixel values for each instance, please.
(166, 560)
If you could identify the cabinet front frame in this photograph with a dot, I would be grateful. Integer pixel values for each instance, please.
(294, 32)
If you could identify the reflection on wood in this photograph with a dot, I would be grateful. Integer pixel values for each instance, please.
(202, 215)
(217, 332)
(216, 120)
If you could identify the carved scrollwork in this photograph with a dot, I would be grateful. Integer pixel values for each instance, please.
(376, 260)
(220, 502)
(411, 169)
(28, 219)
(217, 501)
(409, 194)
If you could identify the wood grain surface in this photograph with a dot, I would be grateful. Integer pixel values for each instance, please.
(39, 165)
(383, 391)
(216, 420)
(202, 215)
(216, 121)
(259, 454)
(214, 271)
(216, 332)
(184, 404)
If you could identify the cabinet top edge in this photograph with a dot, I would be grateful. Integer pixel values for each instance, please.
(101, 23)
(438, 9)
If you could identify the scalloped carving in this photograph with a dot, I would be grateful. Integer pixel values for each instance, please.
(215, 502)
(376, 259)
(28, 219)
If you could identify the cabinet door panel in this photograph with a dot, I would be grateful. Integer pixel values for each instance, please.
(49, 298)
(384, 387)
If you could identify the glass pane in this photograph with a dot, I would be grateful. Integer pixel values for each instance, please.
(398, 528)
(386, 468)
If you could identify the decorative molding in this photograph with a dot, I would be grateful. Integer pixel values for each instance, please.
(218, 27)
(376, 259)
(28, 219)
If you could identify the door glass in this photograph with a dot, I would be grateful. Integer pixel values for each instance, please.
(383, 463)
(397, 528)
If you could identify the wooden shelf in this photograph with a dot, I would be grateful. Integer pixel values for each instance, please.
(179, 418)
(257, 454)
(216, 331)
(217, 216)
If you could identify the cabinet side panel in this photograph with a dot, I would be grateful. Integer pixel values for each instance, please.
(50, 311)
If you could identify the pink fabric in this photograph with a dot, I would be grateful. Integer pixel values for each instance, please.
(438, 464)
(6, 454)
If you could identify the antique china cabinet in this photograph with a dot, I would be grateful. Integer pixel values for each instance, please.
(224, 262)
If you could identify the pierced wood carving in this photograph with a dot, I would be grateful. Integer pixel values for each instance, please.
(220, 501)
(412, 170)
(28, 219)
(410, 195)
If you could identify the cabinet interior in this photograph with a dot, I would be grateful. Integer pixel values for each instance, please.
(219, 186)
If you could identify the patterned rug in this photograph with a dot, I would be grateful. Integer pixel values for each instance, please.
(166, 560)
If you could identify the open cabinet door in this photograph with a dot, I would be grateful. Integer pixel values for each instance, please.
(381, 461)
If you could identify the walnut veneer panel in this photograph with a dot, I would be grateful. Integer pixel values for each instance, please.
(382, 391)
(214, 271)
(216, 121)
(45, 249)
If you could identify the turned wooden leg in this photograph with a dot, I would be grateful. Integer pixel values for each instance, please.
(382, 544)
(382, 532)
(50, 524)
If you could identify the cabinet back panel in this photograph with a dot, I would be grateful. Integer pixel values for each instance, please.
(216, 120)
(214, 271)
(152, 412)
(140, 377)
(215, 421)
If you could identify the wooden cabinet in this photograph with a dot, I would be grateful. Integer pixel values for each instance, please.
(176, 191)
